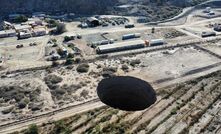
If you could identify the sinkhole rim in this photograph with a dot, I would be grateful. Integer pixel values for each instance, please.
(126, 93)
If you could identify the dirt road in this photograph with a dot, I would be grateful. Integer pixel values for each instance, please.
(52, 116)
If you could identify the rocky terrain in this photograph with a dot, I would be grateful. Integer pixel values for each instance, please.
(148, 8)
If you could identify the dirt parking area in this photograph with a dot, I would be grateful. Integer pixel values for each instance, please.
(172, 63)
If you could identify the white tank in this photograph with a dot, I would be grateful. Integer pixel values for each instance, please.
(156, 42)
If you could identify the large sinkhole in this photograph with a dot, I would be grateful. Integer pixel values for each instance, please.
(126, 93)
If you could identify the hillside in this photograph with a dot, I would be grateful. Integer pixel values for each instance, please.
(77, 6)
(90, 6)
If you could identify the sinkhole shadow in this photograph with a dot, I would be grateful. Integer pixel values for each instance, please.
(126, 93)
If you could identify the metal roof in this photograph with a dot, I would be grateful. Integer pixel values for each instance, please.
(121, 44)
(90, 19)
(20, 27)
(7, 32)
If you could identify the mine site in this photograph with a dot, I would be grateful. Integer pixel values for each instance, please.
(124, 66)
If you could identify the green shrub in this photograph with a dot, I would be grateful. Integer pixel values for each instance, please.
(174, 111)
(60, 91)
(55, 64)
(60, 28)
(135, 62)
(124, 67)
(110, 69)
(83, 68)
(69, 61)
(33, 129)
(54, 79)
(77, 60)
(68, 38)
(20, 19)
(22, 104)
(51, 23)
(61, 128)
(7, 110)
(84, 93)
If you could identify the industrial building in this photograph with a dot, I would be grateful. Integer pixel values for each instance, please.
(93, 22)
(39, 31)
(21, 28)
(33, 22)
(24, 35)
(7, 33)
(122, 46)
(207, 10)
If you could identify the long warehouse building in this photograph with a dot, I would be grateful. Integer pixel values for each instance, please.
(122, 46)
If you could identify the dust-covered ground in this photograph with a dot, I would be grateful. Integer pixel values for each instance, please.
(190, 107)
(30, 93)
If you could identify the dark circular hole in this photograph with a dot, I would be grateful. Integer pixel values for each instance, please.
(126, 93)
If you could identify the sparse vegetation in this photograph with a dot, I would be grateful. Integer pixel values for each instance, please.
(115, 121)
(52, 23)
(60, 28)
(22, 104)
(7, 110)
(84, 93)
(69, 61)
(135, 62)
(68, 38)
(33, 129)
(33, 89)
(60, 127)
(125, 68)
(83, 68)
(54, 79)
(20, 18)
(174, 111)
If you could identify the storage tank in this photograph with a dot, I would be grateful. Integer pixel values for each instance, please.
(128, 36)
(104, 42)
(129, 26)
(156, 42)
(131, 36)
(137, 35)
(122, 46)
(208, 34)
